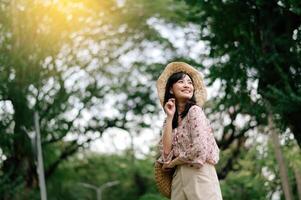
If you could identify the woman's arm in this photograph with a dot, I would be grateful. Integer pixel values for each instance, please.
(173, 163)
(167, 137)
(169, 109)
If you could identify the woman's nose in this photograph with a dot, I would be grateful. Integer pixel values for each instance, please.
(186, 84)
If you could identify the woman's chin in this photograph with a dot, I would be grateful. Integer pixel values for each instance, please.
(184, 98)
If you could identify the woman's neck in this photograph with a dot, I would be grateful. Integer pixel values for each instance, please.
(181, 107)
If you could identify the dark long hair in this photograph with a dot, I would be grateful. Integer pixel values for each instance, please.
(171, 80)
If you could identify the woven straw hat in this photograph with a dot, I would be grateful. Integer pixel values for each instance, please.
(163, 179)
(200, 92)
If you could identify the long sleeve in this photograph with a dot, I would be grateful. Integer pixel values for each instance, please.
(164, 158)
(202, 147)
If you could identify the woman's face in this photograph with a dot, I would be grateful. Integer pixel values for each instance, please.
(183, 88)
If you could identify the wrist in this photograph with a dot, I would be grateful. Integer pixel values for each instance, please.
(169, 118)
(179, 161)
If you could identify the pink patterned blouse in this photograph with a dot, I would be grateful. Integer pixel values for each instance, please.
(193, 140)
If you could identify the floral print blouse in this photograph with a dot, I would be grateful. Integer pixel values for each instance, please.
(192, 141)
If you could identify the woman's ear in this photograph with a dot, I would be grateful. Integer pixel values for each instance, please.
(170, 91)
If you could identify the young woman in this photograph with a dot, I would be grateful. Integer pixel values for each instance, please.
(187, 141)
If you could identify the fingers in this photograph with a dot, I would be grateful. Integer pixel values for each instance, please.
(170, 106)
(171, 102)
(166, 167)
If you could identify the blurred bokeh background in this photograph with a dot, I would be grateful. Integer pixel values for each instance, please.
(78, 98)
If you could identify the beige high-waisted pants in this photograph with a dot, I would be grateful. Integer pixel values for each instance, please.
(190, 183)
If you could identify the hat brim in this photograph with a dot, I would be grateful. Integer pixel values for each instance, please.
(200, 92)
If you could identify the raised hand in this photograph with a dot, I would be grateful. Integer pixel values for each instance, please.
(170, 107)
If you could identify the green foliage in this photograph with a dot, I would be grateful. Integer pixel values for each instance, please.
(64, 60)
(67, 62)
(246, 182)
(255, 49)
(135, 177)
(152, 197)
(256, 174)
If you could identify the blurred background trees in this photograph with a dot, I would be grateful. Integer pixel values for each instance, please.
(255, 47)
(64, 60)
(89, 67)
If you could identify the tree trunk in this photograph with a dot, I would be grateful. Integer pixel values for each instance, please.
(296, 127)
(280, 160)
(297, 173)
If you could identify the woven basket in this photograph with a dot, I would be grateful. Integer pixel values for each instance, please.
(163, 179)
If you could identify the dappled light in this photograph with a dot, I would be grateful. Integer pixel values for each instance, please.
(80, 116)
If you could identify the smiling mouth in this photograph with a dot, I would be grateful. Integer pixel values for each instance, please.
(186, 91)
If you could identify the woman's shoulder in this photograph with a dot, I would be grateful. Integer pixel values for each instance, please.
(195, 111)
(195, 108)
